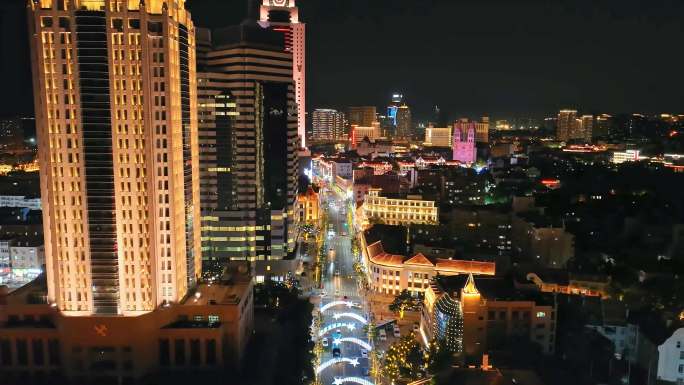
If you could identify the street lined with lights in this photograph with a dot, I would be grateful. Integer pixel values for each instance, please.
(349, 341)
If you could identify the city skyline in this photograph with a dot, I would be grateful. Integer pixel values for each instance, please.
(520, 69)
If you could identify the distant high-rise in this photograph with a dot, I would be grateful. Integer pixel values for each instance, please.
(327, 124)
(481, 128)
(357, 133)
(404, 122)
(361, 116)
(249, 143)
(566, 125)
(602, 128)
(116, 110)
(394, 106)
(587, 127)
(464, 143)
(283, 15)
(437, 136)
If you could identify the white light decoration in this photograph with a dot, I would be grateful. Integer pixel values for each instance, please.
(332, 304)
(357, 341)
(422, 334)
(350, 326)
(352, 361)
(351, 315)
(356, 380)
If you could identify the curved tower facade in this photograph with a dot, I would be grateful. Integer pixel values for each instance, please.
(283, 16)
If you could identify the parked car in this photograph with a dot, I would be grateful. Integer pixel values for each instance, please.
(364, 353)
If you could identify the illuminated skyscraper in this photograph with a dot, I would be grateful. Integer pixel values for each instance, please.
(587, 127)
(361, 116)
(404, 122)
(115, 102)
(283, 15)
(566, 125)
(248, 137)
(394, 106)
(602, 129)
(327, 124)
(438, 136)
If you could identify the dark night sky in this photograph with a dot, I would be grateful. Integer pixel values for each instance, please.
(471, 57)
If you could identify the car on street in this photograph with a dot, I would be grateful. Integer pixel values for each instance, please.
(324, 342)
(364, 353)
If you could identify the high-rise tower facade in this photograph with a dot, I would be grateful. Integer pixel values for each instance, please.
(566, 125)
(248, 134)
(361, 116)
(404, 122)
(327, 124)
(394, 106)
(283, 16)
(115, 104)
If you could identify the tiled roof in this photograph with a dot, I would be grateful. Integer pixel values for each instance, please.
(388, 259)
(419, 259)
(460, 266)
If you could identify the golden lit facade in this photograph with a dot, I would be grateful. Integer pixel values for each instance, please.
(395, 211)
(308, 207)
(372, 132)
(567, 126)
(392, 273)
(437, 136)
(115, 100)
